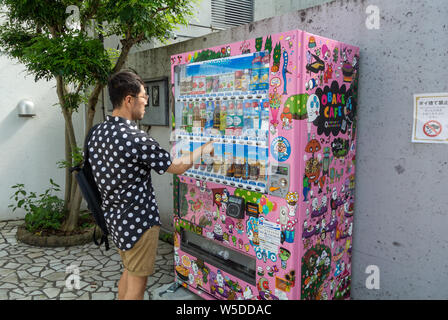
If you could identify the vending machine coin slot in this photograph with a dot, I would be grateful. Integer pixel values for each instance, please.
(278, 184)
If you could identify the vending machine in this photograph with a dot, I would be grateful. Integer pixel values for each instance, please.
(269, 215)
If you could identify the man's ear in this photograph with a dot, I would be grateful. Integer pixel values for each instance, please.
(128, 99)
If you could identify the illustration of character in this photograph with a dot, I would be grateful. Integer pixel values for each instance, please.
(335, 201)
(286, 118)
(239, 227)
(245, 47)
(229, 224)
(292, 198)
(325, 52)
(285, 70)
(284, 255)
(328, 73)
(247, 294)
(282, 150)
(326, 161)
(319, 210)
(218, 232)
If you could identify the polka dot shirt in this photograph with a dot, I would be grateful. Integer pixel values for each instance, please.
(122, 157)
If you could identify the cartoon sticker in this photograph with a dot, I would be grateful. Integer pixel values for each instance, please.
(280, 149)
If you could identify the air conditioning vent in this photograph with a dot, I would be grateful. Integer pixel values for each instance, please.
(230, 13)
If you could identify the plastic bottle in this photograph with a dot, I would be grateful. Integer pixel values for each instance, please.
(203, 114)
(217, 116)
(223, 117)
(209, 117)
(256, 116)
(189, 126)
(245, 80)
(196, 118)
(238, 119)
(230, 117)
(248, 119)
(184, 116)
(262, 134)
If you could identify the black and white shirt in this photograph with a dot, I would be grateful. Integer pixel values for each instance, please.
(122, 157)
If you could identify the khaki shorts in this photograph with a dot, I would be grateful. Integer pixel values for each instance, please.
(139, 260)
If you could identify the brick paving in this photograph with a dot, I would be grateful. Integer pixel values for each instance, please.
(37, 273)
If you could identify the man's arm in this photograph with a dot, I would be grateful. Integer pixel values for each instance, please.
(182, 164)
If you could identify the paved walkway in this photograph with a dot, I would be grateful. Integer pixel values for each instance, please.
(35, 273)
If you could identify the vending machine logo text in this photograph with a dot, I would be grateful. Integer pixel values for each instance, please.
(337, 109)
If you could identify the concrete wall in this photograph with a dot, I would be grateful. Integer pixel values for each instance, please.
(401, 216)
(271, 8)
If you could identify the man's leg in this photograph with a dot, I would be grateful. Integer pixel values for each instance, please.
(136, 286)
(123, 285)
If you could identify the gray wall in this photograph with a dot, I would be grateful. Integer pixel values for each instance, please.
(401, 216)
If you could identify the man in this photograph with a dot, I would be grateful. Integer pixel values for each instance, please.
(122, 157)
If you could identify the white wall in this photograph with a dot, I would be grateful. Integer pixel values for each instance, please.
(29, 147)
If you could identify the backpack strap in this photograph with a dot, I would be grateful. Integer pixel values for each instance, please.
(86, 141)
(86, 149)
(104, 239)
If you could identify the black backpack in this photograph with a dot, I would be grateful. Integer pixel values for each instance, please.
(90, 192)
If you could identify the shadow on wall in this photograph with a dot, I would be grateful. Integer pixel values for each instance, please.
(11, 125)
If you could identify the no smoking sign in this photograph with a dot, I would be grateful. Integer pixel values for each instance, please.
(432, 128)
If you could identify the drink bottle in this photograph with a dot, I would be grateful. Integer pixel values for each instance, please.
(203, 114)
(217, 115)
(238, 119)
(196, 118)
(223, 117)
(190, 117)
(230, 117)
(209, 117)
(184, 116)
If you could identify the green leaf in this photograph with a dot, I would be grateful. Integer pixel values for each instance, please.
(20, 203)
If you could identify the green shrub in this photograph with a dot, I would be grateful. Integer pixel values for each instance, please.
(45, 211)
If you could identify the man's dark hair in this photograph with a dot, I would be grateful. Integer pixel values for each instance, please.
(122, 84)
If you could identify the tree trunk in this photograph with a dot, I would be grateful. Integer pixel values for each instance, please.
(91, 106)
(68, 176)
(74, 203)
(71, 222)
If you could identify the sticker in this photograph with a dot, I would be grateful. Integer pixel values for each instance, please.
(269, 234)
(186, 261)
(430, 116)
(280, 149)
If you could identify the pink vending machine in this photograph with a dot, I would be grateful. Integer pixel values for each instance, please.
(270, 214)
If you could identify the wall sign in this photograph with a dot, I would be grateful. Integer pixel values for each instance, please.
(430, 118)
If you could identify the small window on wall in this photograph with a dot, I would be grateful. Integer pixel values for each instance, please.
(157, 113)
(230, 13)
